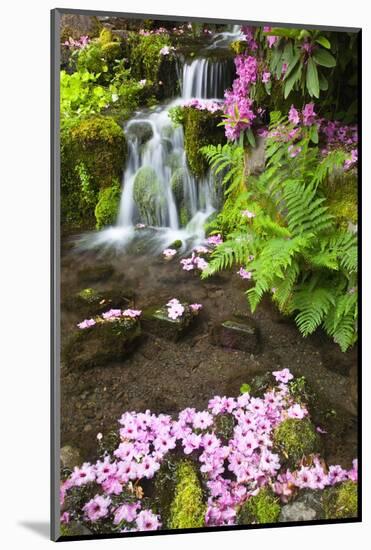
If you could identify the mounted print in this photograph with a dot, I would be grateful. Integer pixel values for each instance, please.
(205, 207)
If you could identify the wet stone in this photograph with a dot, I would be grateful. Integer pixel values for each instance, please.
(70, 457)
(155, 321)
(307, 507)
(141, 130)
(94, 274)
(242, 335)
(90, 301)
(102, 344)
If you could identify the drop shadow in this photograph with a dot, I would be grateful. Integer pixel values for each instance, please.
(41, 528)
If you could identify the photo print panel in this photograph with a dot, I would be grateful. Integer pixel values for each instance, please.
(205, 205)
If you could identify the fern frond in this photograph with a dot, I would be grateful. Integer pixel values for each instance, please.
(313, 306)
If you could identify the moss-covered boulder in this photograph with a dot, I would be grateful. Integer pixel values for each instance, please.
(93, 152)
(101, 344)
(342, 198)
(148, 194)
(141, 130)
(243, 335)
(200, 129)
(261, 508)
(295, 439)
(341, 501)
(91, 301)
(187, 510)
(107, 207)
(156, 321)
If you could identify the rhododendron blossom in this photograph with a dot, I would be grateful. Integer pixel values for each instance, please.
(86, 323)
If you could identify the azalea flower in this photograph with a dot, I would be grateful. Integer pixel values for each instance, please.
(169, 252)
(126, 512)
(97, 507)
(308, 114)
(215, 239)
(195, 307)
(86, 323)
(294, 115)
(132, 313)
(147, 521)
(296, 411)
(283, 375)
(112, 314)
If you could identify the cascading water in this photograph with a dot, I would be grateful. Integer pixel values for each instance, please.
(159, 191)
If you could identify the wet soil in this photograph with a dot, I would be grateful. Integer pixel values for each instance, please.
(166, 376)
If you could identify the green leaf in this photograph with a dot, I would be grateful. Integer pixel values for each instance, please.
(250, 137)
(312, 78)
(245, 388)
(292, 64)
(313, 134)
(324, 42)
(323, 82)
(324, 58)
(290, 82)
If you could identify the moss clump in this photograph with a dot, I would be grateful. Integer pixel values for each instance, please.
(261, 508)
(342, 198)
(89, 295)
(341, 501)
(187, 510)
(200, 129)
(296, 439)
(147, 194)
(100, 54)
(96, 143)
(108, 205)
(238, 46)
(176, 244)
(177, 185)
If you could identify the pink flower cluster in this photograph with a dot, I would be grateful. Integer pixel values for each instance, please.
(214, 240)
(111, 315)
(204, 105)
(233, 470)
(271, 40)
(238, 106)
(194, 262)
(169, 252)
(307, 115)
(79, 44)
(174, 309)
(244, 274)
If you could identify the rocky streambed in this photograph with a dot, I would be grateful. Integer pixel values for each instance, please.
(166, 368)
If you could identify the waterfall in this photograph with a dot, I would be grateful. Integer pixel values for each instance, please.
(159, 193)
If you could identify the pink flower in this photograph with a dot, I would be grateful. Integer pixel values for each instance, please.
(132, 313)
(126, 512)
(201, 250)
(294, 115)
(169, 252)
(283, 375)
(105, 469)
(97, 508)
(248, 214)
(202, 420)
(191, 442)
(195, 308)
(83, 475)
(175, 309)
(244, 274)
(147, 521)
(200, 263)
(215, 239)
(86, 323)
(266, 77)
(308, 114)
(65, 518)
(112, 314)
(293, 151)
(296, 411)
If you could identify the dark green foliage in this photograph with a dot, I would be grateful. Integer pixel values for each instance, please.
(107, 206)
(341, 501)
(261, 508)
(294, 246)
(93, 152)
(295, 439)
(224, 425)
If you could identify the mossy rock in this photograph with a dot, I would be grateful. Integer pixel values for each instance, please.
(89, 301)
(177, 185)
(174, 161)
(95, 274)
(200, 129)
(187, 509)
(156, 321)
(342, 198)
(96, 143)
(341, 501)
(107, 207)
(176, 244)
(147, 194)
(101, 344)
(295, 439)
(261, 508)
(141, 130)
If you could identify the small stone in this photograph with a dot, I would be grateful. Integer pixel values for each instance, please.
(156, 321)
(70, 457)
(242, 335)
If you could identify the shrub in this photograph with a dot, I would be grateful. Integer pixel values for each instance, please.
(107, 206)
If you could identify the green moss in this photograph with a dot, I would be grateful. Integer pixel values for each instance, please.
(342, 199)
(93, 151)
(238, 46)
(296, 439)
(200, 129)
(100, 54)
(147, 193)
(89, 295)
(341, 501)
(177, 185)
(176, 244)
(187, 509)
(261, 508)
(107, 206)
